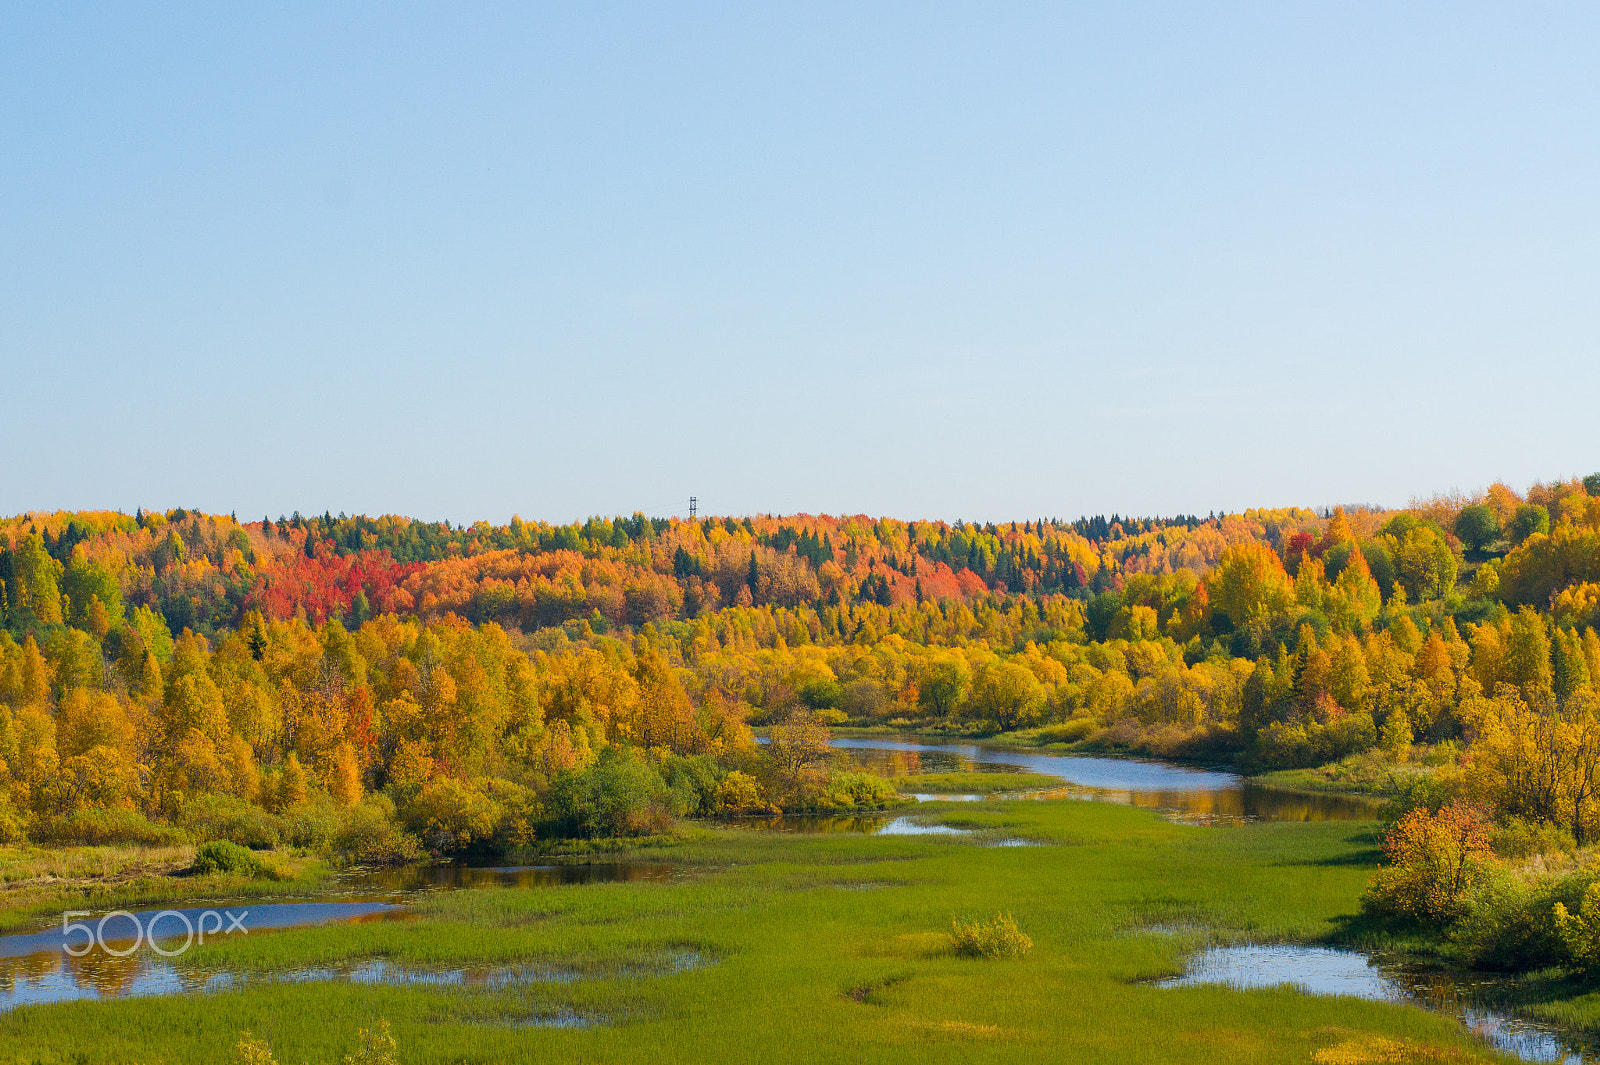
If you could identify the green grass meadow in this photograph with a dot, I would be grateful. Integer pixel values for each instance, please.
(825, 948)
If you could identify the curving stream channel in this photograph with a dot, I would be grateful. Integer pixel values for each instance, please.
(1183, 793)
(43, 966)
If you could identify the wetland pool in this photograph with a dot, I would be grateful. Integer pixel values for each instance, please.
(1330, 971)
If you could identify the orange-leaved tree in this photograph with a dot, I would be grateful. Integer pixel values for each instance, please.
(1435, 859)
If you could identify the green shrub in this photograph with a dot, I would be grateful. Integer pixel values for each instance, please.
(995, 937)
(1578, 927)
(225, 856)
(1067, 732)
(622, 794)
(1516, 839)
(1284, 746)
(368, 833)
(521, 812)
(850, 790)
(1431, 792)
(372, 836)
(209, 817)
(13, 825)
(453, 816)
(1523, 923)
(691, 783)
(822, 694)
(100, 828)
(314, 822)
(1509, 923)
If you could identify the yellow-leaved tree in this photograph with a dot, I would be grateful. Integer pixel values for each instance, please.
(1247, 586)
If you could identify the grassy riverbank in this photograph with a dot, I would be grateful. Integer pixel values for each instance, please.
(1374, 773)
(819, 948)
(38, 883)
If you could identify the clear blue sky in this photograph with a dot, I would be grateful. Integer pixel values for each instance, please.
(983, 261)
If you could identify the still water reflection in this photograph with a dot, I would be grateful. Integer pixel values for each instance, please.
(41, 967)
(1201, 796)
(451, 877)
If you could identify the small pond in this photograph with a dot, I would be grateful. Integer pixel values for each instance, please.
(905, 826)
(1328, 971)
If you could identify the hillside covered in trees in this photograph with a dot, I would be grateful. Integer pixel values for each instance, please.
(383, 686)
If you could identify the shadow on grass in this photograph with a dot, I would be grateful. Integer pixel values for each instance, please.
(1372, 932)
(1370, 856)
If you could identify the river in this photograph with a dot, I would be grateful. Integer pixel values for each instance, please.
(1184, 793)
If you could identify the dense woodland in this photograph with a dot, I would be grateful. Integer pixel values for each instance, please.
(382, 687)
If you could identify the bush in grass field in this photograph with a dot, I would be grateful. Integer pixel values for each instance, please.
(374, 1046)
(209, 817)
(622, 794)
(994, 937)
(101, 828)
(860, 791)
(1068, 731)
(453, 816)
(252, 1051)
(372, 836)
(225, 856)
(377, 1046)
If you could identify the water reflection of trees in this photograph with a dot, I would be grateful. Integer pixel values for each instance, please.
(886, 763)
(1224, 806)
(1198, 799)
(894, 762)
(97, 973)
(413, 878)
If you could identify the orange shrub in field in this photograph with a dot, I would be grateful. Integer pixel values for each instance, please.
(1435, 858)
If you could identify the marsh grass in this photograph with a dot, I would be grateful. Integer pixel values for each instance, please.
(19, 865)
(782, 949)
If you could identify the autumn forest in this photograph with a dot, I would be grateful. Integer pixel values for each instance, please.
(386, 687)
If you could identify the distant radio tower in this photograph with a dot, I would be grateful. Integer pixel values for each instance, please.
(694, 505)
